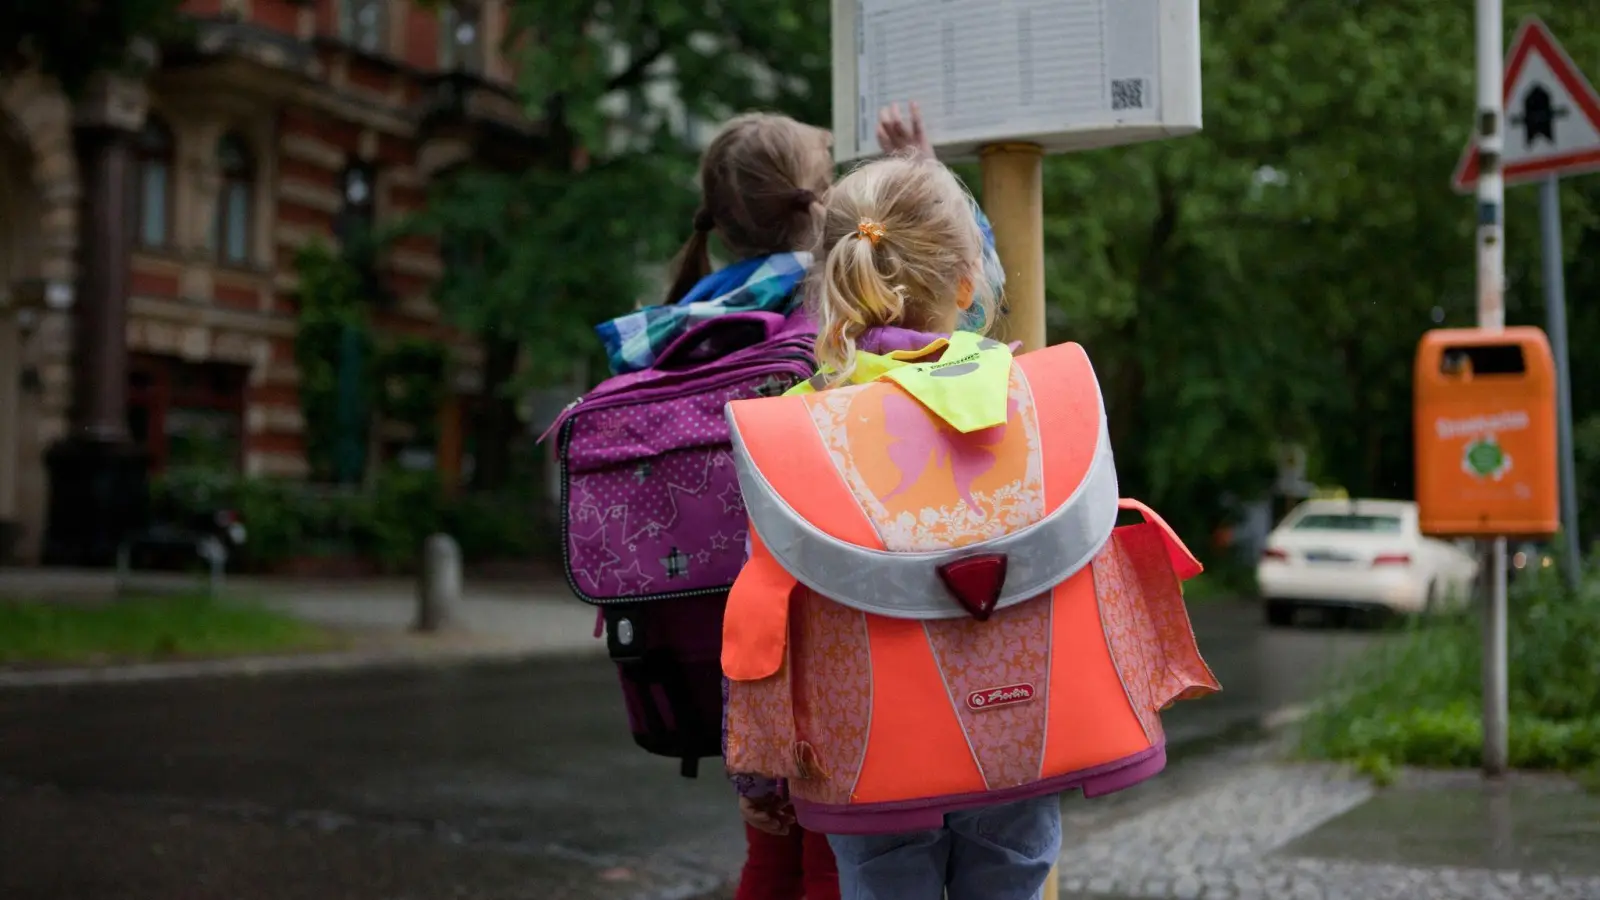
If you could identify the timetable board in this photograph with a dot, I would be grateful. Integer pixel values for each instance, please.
(1065, 74)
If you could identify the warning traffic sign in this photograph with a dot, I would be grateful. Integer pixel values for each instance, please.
(1552, 114)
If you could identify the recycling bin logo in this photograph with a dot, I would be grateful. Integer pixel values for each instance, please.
(1485, 458)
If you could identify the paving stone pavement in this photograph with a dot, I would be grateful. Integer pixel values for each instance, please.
(1220, 842)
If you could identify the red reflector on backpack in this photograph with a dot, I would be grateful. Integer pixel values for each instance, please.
(976, 582)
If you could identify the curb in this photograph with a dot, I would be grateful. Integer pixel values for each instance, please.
(267, 666)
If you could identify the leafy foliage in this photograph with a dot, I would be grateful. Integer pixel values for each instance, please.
(579, 60)
(1416, 702)
(1268, 279)
(350, 378)
(623, 91)
(537, 257)
(73, 39)
(411, 379)
(384, 521)
(331, 336)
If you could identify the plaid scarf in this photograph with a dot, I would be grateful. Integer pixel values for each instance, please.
(766, 284)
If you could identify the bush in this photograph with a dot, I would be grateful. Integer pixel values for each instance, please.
(385, 521)
(1417, 701)
(1226, 578)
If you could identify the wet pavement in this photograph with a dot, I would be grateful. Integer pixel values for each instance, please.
(1527, 823)
(1242, 824)
(494, 781)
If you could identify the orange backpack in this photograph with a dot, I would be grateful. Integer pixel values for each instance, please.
(933, 621)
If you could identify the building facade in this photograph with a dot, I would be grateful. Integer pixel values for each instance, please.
(149, 228)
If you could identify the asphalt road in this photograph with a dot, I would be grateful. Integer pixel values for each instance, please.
(493, 781)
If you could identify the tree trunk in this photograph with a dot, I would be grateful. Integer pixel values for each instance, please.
(497, 415)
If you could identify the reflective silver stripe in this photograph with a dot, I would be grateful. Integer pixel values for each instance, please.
(907, 585)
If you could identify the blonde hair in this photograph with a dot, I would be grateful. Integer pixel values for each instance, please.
(900, 246)
(761, 179)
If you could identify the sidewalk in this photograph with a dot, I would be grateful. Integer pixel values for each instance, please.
(1243, 825)
(500, 622)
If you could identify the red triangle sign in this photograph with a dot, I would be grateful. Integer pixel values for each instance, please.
(976, 582)
(1552, 124)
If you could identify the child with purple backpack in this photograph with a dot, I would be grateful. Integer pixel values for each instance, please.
(653, 524)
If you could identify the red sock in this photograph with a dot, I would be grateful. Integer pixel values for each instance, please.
(772, 867)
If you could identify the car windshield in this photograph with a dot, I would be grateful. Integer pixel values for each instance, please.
(1348, 522)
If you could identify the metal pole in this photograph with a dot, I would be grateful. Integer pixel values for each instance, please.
(1555, 308)
(1492, 316)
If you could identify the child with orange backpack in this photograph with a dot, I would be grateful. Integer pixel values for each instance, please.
(941, 628)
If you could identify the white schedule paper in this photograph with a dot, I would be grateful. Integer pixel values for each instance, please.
(985, 70)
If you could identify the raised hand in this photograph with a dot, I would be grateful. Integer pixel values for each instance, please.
(897, 135)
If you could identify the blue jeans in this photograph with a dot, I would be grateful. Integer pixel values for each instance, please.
(996, 853)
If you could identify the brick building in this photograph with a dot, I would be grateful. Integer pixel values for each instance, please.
(148, 232)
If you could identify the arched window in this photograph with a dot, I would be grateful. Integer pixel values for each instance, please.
(153, 198)
(231, 228)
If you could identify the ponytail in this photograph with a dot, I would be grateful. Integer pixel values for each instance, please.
(900, 246)
(694, 260)
(853, 296)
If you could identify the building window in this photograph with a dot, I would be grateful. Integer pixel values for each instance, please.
(365, 24)
(153, 201)
(461, 38)
(187, 415)
(231, 227)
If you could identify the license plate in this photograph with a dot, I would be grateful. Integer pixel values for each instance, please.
(1328, 556)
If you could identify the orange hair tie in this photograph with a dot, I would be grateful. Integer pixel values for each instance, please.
(870, 230)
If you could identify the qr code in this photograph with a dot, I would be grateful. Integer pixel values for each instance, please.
(1127, 93)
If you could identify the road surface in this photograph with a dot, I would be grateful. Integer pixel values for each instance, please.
(491, 781)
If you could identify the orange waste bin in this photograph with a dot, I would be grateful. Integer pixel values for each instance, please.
(1485, 432)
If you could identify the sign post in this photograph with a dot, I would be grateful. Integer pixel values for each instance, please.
(1013, 180)
(1008, 84)
(1554, 118)
(1492, 315)
(1555, 310)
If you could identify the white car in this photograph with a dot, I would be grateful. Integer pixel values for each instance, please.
(1360, 554)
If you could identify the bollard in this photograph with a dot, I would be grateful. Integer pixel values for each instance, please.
(439, 585)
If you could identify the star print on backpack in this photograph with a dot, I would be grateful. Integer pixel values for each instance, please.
(653, 524)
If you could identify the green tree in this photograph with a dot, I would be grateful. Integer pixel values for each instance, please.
(1268, 279)
(537, 257)
(72, 39)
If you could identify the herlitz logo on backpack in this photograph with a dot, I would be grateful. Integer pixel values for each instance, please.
(1000, 696)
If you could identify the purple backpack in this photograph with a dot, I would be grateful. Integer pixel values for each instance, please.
(652, 522)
